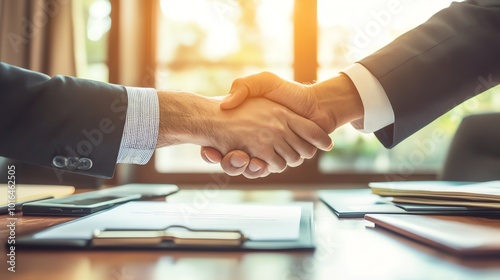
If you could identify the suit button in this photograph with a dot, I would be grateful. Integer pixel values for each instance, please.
(72, 163)
(85, 164)
(59, 161)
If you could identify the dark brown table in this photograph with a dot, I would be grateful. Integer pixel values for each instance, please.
(346, 249)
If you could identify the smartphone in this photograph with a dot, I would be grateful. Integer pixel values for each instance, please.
(94, 201)
(76, 205)
(147, 191)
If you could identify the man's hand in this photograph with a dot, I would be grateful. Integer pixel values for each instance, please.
(329, 104)
(237, 163)
(259, 128)
(302, 99)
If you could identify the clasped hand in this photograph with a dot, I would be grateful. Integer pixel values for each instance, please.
(288, 135)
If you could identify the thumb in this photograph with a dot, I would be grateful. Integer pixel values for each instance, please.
(251, 86)
(236, 97)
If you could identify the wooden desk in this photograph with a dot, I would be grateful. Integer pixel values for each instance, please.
(346, 249)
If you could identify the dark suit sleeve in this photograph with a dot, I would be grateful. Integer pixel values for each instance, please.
(62, 122)
(427, 71)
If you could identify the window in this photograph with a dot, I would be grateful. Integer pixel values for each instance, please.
(96, 25)
(351, 30)
(203, 45)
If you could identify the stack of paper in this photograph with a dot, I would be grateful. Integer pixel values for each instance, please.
(486, 195)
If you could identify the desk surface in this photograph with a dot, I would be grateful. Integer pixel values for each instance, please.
(346, 249)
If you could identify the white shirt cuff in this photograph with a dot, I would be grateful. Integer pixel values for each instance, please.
(141, 126)
(378, 109)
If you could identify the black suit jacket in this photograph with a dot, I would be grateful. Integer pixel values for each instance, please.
(62, 122)
(429, 70)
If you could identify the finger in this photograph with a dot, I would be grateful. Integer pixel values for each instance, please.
(304, 148)
(256, 169)
(238, 93)
(210, 155)
(310, 132)
(250, 175)
(276, 163)
(291, 157)
(298, 163)
(235, 163)
(235, 98)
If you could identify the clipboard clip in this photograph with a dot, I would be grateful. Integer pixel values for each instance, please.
(178, 235)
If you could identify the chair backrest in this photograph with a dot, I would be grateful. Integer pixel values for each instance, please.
(474, 154)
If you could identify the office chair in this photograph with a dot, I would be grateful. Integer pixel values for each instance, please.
(474, 153)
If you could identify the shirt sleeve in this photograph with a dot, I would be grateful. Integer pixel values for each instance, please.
(378, 109)
(140, 133)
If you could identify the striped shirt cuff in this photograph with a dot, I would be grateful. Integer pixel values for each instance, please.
(141, 126)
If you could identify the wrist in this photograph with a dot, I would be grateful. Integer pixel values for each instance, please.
(186, 118)
(340, 99)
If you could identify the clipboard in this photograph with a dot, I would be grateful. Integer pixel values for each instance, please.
(174, 237)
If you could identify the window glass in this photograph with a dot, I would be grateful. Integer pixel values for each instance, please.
(351, 30)
(96, 24)
(203, 45)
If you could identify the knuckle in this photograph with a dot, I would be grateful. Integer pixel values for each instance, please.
(280, 112)
(260, 150)
(267, 75)
(237, 83)
(264, 136)
(277, 128)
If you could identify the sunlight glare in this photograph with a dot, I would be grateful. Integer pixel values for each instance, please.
(221, 41)
(197, 11)
(274, 17)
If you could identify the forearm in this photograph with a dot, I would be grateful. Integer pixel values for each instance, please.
(187, 118)
(340, 98)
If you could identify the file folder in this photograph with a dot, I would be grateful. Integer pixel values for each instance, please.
(355, 203)
(175, 236)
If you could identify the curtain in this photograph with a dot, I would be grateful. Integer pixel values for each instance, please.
(132, 44)
(38, 35)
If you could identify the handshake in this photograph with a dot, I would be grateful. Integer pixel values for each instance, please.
(264, 125)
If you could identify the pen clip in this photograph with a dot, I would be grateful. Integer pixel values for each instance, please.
(179, 235)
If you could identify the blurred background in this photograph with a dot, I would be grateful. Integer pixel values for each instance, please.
(203, 45)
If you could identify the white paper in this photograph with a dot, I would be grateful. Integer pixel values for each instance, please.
(487, 190)
(256, 221)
